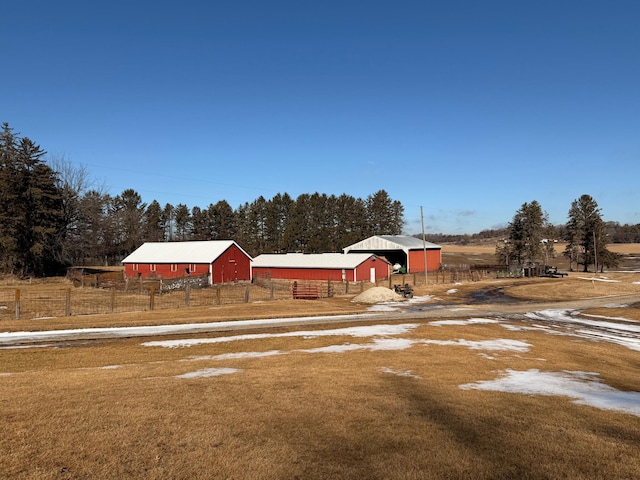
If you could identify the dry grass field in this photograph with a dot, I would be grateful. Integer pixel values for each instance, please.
(395, 397)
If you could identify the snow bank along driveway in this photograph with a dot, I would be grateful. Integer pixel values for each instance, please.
(582, 387)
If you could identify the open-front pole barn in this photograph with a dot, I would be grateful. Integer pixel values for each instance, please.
(222, 260)
(403, 250)
(321, 266)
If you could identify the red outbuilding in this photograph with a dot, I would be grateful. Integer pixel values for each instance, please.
(321, 266)
(406, 253)
(222, 260)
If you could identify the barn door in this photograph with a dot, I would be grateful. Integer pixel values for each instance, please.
(372, 274)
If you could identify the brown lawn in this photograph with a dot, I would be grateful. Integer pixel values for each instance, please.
(114, 408)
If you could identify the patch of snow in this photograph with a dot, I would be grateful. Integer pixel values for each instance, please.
(625, 341)
(209, 372)
(407, 373)
(598, 279)
(451, 291)
(584, 387)
(358, 331)
(237, 355)
(15, 337)
(471, 321)
(384, 307)
(498, 344)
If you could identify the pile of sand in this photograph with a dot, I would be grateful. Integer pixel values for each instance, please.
(377, 294)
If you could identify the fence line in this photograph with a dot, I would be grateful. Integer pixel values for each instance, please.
(81, 297)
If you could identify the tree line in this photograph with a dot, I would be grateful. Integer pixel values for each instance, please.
(52, 216)
(530, 237)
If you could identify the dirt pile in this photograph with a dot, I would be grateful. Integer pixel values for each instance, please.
(377, 294)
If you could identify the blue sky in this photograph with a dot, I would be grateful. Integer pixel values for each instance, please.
(466, 108)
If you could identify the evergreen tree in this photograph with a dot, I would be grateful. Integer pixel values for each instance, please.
(97, 238)
(278, 212)
(199, 224)
(350, 213)
(526, 232)
(222, 221)
(168, 222)
(182, 218)
(385, 216)
(128, 216)
(586, 234)
(153, 224)
(31, 216)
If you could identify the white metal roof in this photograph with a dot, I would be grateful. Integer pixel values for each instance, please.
(312, 260)
(390, 242)
(180, 252)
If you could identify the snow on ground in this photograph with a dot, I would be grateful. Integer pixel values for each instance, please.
(600, 279)
(358, 331)
(392, 306)
(569, 322)
(584, 387)
(407, 373)
(497, 344)
(471, 321)
(209, 372)
(152, 330)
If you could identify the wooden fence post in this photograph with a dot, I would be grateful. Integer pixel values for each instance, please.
(187, 295)
(67, 303)
(272, 294)
(152, 294)
(113, 299)
(219, 295)
(17, 304)
(246, 295)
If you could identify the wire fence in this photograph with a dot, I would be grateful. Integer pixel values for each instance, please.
(58, 300)
(93, 295)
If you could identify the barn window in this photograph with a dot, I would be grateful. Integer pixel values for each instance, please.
(135, 267)
(193, 268)
(152, 267)
(174, 267)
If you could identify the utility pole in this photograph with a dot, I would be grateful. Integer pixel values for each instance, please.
(424, 248)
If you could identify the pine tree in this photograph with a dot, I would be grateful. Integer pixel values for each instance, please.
(31, 214)
(526, 232)
(153, 226)
(586, 234)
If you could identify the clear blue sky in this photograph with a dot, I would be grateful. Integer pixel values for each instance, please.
(467, 108)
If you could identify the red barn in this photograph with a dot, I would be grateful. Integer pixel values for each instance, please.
(223, 260)
(403, 250)
(321, 266)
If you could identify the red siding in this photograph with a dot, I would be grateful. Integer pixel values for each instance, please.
(416, 260)
(164, 270)
(303, 273)
(362, 272)
(233, 265)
